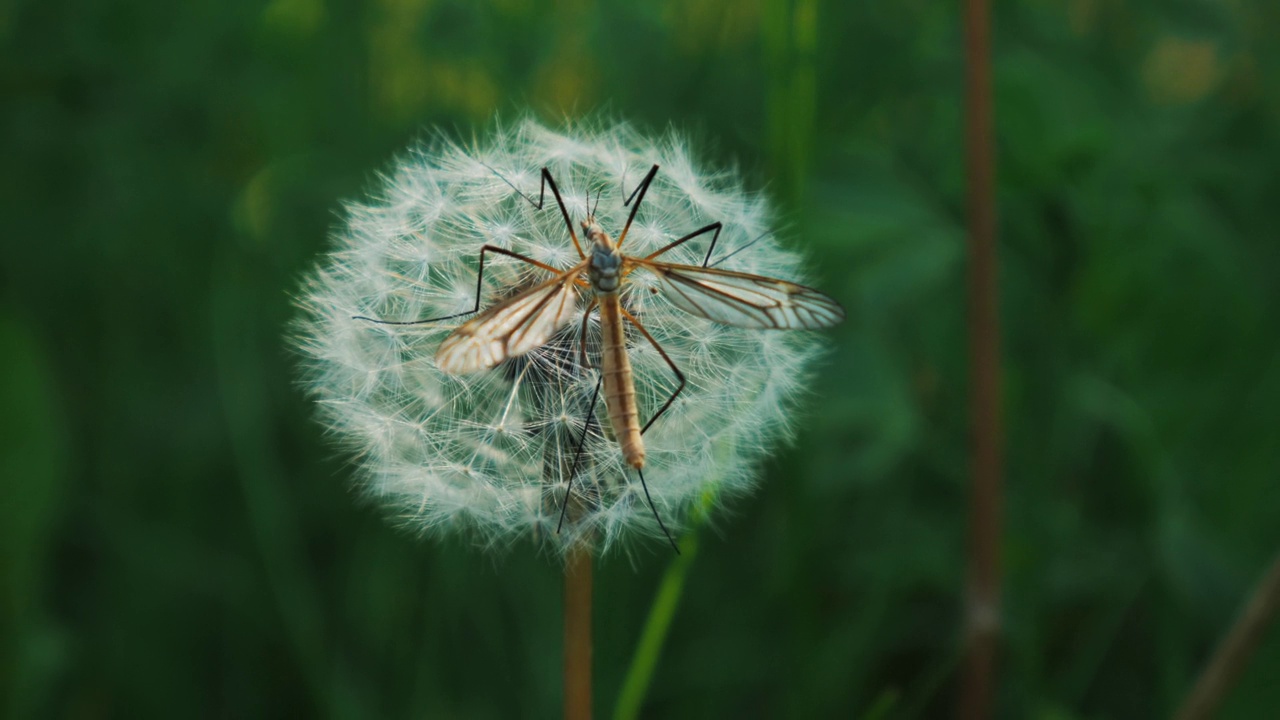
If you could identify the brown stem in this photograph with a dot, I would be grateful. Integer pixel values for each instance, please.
(1231, 656)
(577, 634)
(982, 611)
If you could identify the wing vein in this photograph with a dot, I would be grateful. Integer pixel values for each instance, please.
(513, 327)
(742, 299)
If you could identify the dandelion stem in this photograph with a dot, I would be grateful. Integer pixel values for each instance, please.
(1233, 654)
(577, 634)
(982, 606)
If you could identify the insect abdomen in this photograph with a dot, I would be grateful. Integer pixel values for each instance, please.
(619, 389)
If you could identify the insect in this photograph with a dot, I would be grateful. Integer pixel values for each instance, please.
(528, 320)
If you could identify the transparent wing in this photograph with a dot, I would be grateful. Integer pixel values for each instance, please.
(511, 328)
(742, 299)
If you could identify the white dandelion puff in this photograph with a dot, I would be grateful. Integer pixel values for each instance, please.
(485, 428)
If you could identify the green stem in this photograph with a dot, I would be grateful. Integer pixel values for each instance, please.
(654, 636)
(636, 685)
(789, 33)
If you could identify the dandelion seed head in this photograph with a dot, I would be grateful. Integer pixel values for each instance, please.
(490, 452)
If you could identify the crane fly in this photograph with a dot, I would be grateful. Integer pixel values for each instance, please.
(528, 320)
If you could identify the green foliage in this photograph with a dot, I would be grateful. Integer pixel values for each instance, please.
(179, 540)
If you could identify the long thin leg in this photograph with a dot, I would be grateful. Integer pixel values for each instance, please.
(564, 506)
(582, 344)
(670, 362)
(667, 404)
(542, 196)
(717, 226)
(479, 284)
(582, 339)
(758, 238)
(640, 191)
(656, 516)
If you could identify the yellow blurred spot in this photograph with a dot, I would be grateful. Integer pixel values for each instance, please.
(567, 82)
(299, 18)
(406, 81)
(465, 86)
(568, 79)
(1179, 70)
(806, 25)
(705, 26)
(1082, 15)
(512, 7)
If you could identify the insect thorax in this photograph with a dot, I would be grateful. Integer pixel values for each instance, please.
(606, 265)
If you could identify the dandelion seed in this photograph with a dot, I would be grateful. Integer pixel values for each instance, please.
(495, 451)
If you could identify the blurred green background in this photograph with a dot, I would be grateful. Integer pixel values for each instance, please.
(178, 539)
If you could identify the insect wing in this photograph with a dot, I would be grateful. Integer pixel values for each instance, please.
(744, 300)
(511, 328)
